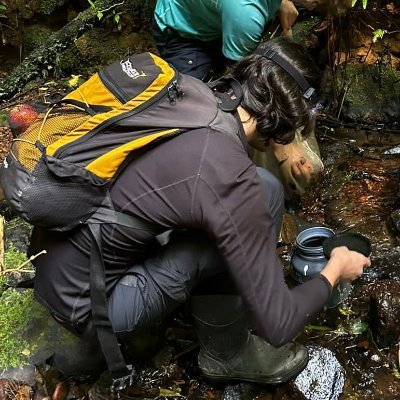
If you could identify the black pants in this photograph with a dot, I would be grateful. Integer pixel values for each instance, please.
(203, 60)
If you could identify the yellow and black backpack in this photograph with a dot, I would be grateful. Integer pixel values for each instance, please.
(60, 170)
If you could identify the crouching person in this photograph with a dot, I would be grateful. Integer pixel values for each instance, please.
(224, 215)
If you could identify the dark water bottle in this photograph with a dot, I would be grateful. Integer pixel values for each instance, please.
(308, 260)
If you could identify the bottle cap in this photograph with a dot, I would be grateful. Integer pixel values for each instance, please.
(353, 241)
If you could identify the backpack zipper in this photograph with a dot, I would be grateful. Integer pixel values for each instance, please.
(172, 86)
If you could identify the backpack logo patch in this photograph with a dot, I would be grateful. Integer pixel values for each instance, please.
(130, 71)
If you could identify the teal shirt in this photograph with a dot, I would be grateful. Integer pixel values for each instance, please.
(240, 23)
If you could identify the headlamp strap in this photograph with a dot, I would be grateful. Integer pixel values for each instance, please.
(308, 90)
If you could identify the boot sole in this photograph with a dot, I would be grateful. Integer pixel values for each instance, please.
(272, 381)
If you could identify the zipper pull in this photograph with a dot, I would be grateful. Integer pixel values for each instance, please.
(178, 88)
(174, 91)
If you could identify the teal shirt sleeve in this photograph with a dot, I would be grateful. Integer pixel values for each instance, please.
(243, 26)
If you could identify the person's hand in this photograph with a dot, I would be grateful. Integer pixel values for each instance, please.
(302, 170)
(345, 265)
(298, 165)
(287, 16)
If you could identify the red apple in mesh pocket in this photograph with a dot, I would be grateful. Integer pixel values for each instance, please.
(20, 117)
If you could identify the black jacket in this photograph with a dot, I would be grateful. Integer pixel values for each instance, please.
(201, 179)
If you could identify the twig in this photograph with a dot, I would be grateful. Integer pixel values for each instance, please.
(185, 351)
(113, 6)
(343, 97)
(14, 100)
(20, 268)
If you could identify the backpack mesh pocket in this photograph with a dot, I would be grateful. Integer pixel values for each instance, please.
(59, 203)
(46, 130)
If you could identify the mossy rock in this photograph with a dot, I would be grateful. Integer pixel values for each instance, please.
(141, 10)
(304, 28)
(373, 94)
(29, 336)
(49, 6)
(99, 47)
(34, 36)
(17, 234)
(26, 329)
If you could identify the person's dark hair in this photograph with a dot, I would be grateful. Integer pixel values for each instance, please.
(272, 96)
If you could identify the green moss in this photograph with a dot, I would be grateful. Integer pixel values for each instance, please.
(89, 54)
(16, 309)
(302, 29)
(3, 117)
(13, 258)
(142, 10)
(48, 6)
(371, 87)
(27, 330)
(34, 36)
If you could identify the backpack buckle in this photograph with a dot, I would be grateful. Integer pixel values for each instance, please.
(122, 382)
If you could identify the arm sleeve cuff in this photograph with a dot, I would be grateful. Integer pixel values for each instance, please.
(323, 278)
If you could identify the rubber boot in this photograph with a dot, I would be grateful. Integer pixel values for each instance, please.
(229, 352)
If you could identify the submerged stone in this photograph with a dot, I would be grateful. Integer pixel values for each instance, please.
(395, 221)
(385, 312)
(323, 378)
(393, 150)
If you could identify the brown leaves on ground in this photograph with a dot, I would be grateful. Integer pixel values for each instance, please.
(14, 390)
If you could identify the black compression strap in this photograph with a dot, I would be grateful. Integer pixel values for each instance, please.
(107, 337)
(308, 90)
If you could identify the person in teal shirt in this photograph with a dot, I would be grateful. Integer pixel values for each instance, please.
(200, 37)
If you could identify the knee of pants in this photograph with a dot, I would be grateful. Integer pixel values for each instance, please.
(275, 196)
(149, 292)
(192, 255)
(273, 188)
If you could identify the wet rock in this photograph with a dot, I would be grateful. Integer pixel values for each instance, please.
(385, 312)
(322, 379)
(395, 221)
(17, 232)
(393, 150)
(358, 193)
(24, 374)
(385, 264)
(241, 391)
(290, 229)
(373, 93)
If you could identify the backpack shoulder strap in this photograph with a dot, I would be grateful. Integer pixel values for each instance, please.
(228, 82)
